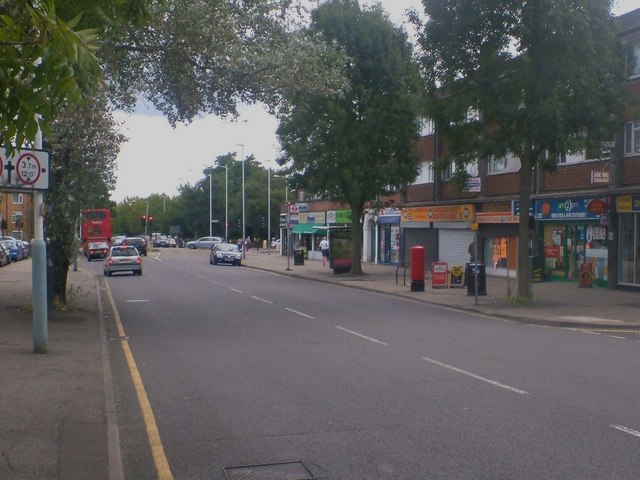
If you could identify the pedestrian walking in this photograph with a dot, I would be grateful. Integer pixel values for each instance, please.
(324, 248)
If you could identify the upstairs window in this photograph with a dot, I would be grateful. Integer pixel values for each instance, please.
(632, 137)
(427, 127)
(633, 60)
(425, 175)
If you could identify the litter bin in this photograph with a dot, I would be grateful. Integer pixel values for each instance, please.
(470, 272)
(298, 256)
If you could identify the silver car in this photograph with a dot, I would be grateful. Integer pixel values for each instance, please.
(203, 242)
(122, 258)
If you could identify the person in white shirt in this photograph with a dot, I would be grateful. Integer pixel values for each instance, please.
(324, 248)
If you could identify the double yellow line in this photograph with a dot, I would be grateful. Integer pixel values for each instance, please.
(157, 449)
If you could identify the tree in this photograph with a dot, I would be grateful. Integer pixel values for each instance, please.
(44, 64)
(538, 79)
(83, 144)
(349, 147)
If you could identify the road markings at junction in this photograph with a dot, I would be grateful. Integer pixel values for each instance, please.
(374, 340)
(628, 430)
(157, 449)
(234, 290)
(262, 300)
(477, 377)
(138, 301)
(300, 313)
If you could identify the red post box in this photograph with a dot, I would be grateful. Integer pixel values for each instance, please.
(417, 268)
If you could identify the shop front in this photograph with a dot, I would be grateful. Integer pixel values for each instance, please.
(573, 236)
(628, 209)
(389, 236)
(444, 231)
(499, 234)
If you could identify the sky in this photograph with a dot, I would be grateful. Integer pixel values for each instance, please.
(167, 157)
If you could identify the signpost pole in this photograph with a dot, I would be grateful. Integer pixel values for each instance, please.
(39, 271)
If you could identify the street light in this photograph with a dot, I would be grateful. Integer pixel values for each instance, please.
(210, 201)
(226, 203)
(244, 233)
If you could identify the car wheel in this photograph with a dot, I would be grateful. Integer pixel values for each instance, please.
(104, 272)
(192, 247)
(239, 264)
(109, 273)
(210, 261)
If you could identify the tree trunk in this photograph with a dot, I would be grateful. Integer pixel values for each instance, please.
(524, 268)
(61, 264)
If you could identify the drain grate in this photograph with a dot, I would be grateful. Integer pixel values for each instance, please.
(273, 471)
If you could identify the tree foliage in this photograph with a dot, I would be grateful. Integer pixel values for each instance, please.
(538, 79)
(349, 147)
(83, 146)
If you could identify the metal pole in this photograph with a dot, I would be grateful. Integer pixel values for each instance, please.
(210, 201)
(146, 220)
(39, 270)
(269, 213)
(226, 203)
(244, 232)
(288, 269)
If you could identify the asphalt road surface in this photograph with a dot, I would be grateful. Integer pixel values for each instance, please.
(242, 367)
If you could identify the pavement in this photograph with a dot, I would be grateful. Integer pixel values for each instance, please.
(57, 413)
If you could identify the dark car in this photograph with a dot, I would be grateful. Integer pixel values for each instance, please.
(123, 258)
(138, 242)
(225, 253)
(97, 250)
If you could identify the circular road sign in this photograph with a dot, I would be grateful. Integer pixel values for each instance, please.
(28, 168)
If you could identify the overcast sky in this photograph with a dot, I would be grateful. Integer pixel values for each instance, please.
(165, 157)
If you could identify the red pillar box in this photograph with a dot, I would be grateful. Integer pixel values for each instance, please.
(586, 275)
(439, 275)
(417, 269)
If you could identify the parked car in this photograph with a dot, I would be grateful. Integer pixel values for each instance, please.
(139, 242)
(97, 250)
(171, 242)
(26, 248)
(204, 242)
(122, 258)
(15, 249)
(225, 253)
(5, 257)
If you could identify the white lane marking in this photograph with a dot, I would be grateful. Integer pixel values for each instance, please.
(235, 290)
(628, 430)
(477, 377)
(215, 282)
(590, 332)
(616, 337)
(261, 300)
(300, 313)
(138, 301)
(361, 336)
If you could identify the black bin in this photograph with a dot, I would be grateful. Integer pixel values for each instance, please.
(298, 256)
(470, 271)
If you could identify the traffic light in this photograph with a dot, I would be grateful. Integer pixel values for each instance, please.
(143, 221)
(239, 223)
(262, 221)
(150, 222)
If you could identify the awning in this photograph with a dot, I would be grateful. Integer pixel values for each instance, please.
(308, 228)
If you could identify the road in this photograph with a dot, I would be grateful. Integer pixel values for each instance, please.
(243, 367)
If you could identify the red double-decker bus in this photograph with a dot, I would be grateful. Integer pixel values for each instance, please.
(95, 226)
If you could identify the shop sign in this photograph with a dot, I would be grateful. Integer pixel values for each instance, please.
(447, 213)
(339, 216)
(628, 203)
(385, 212)
(456, 273)
(497, 217)
(552, 251)
(565, 209)
(597, 206)
(312, 217)
(474, 185)
(439, 275)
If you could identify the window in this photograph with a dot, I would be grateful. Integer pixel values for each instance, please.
(633, 60)
(632, 138)
(497, 165)
(427, 127)
(17, 199)
(567, 158)
(471, 169)
(425, 175)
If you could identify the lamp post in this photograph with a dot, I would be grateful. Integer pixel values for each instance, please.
(269, 213)
(226, 203)
(210, 201)
(244, 233)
